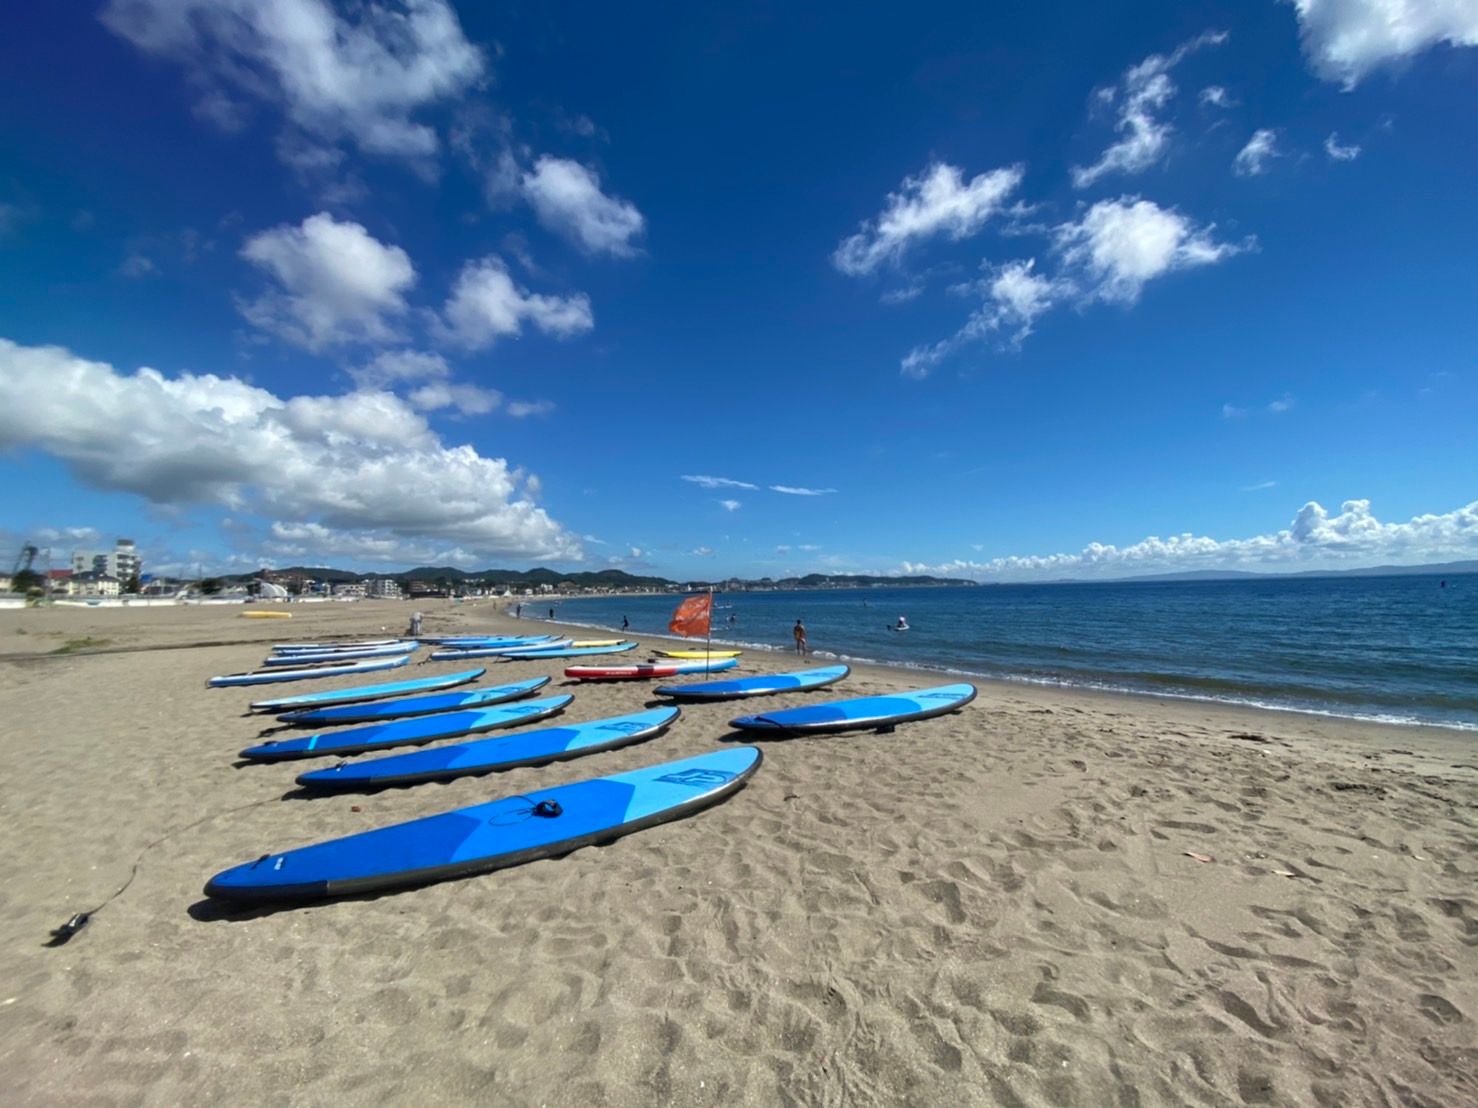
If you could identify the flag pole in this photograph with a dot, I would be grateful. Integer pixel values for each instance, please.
(708, 643)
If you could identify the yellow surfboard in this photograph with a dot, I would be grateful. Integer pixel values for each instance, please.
(700, 655)
(266, 615)
(596, 642)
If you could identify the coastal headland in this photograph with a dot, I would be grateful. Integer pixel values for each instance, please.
(1053, 897)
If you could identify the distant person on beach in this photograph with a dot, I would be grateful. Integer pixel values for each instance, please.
(551, 613)
(518, 611)
(625, 623)
(800, 637)
(415, 631)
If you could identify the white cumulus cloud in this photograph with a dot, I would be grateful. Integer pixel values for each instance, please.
(354, 73)
(567, 198)
(365, 465)
(391, 367)
(731, 505)
(486, 304)
(1253, 158)
(937, 201)
(1347, 39)
(1141, 95)
(466, 399)
(1119, 245)
(1314, 540)
(336, 283)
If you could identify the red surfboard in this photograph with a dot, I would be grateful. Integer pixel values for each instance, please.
(655, 669)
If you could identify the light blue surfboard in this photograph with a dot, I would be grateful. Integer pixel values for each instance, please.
(461, 641)
(324, 647)
(402, 706)
(495, 651)
(763, 685)
(575, 651)
(507, 832)
(272, 676)
(311, 657)
(527, 748)
(415, 731)
(863, 713)
(367, 692)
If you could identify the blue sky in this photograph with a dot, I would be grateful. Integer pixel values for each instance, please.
(1050, 291)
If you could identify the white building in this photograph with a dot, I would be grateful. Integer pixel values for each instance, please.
(93, 584)
(122, 562)
(385, 588)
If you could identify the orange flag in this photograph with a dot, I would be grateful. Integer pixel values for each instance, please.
(693, 616)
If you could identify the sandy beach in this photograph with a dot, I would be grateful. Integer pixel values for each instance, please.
(1049, 898)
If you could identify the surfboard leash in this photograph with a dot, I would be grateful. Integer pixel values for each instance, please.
(64, 934)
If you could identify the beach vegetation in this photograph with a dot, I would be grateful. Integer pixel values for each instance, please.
(73, 646)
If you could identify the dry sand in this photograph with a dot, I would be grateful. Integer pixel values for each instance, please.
(993, 907)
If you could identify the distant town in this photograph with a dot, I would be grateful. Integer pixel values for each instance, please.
(94, 575)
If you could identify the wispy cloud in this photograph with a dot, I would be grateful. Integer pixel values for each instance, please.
(1260, 486)
(1252, 160)
(792, 490)
(1143, 91)
(1108, 255)
(939, 201)
(717, 482)
(1339, 152)
(521, 409)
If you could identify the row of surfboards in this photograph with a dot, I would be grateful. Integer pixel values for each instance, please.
(312, 661)
(529, 826)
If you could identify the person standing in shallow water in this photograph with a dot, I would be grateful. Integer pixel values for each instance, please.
(799, 631)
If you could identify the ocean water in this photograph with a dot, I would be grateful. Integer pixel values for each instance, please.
(1397, 649)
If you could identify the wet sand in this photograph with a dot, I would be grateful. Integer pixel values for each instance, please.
(1008, 905)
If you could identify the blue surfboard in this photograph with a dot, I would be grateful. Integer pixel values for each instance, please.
(574, 651)
(861, 714)
(763, 685)
(403, 706)
(416, 731)
(527, 748)
(367, 692)
(272, 676)
(507, 832)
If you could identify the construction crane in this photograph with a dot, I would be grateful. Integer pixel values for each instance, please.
(23, 562)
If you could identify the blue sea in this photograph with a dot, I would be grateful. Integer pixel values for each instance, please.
(1395, 649)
